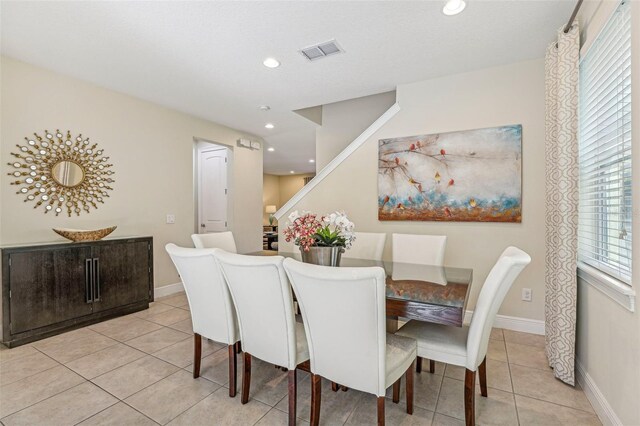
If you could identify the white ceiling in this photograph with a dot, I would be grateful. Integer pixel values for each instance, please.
(205, 58)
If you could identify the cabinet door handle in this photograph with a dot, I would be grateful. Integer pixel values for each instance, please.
(88, 281)
(96, 278)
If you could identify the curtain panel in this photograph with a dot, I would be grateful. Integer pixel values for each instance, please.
(561, 203)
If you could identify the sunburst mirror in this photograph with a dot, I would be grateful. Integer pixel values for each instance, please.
(61, 173)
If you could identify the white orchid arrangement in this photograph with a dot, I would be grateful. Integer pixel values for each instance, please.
(332, 230)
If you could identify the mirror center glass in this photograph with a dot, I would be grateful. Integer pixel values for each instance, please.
(67, 173)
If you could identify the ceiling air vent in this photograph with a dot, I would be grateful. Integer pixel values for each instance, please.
(321, 50)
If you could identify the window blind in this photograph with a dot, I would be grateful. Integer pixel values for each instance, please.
(605, 210)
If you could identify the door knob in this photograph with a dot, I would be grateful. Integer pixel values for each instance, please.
(202, 225)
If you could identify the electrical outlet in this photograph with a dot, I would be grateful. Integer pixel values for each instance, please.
(526, 294)
(171, 219)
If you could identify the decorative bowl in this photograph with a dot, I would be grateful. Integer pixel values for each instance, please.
(84, 234)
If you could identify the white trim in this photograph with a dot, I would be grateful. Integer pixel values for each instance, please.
(622, 293)
(333, 164)
(167, 290)
(507, 322)
(596, 398)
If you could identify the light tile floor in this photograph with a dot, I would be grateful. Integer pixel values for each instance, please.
(136, 370)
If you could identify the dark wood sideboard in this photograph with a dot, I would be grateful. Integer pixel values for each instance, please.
(51, 288)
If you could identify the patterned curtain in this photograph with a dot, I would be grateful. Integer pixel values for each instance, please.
(561, 219)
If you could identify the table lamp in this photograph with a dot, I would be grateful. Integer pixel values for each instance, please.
(271, 210)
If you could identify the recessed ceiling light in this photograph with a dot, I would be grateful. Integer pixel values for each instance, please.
(269, 126)
(271, 149)
(264, 107)
(312, 161)
(271, 63)
(292, 172)
(453, 7)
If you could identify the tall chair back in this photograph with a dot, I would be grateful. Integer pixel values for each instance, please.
(264, 302)
(221, 240)
(212, 311)
(367, 245)
(350, 352)
(511, 262)
(420, 249)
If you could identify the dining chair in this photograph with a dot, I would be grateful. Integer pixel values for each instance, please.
(213, 314)
(344, 315)
(221, 240)
(367, 245)
(263, 299)
(422, 250)
(467, 346)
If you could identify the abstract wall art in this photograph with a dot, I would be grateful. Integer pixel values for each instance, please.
(463, 176)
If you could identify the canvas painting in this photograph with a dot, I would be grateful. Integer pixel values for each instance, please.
(464, 176)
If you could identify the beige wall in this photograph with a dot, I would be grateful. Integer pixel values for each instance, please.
(270, 194)
(512, 94)
(342, 122)
(151, 148)
(289, 185)
(279, 189)
(608, 340)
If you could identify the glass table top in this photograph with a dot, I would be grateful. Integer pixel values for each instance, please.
(430, 284)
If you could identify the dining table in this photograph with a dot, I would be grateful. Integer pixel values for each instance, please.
(431, 293)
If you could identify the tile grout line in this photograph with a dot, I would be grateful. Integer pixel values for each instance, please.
(177, 415)
(509, 363)
(513, 388)
(268, 411)
(85, 380)
(544, 400)
(50, 396)
(152, 354)
(435, 407)
(119, 401)
(31, 375)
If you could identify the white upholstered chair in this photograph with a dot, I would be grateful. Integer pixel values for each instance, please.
(221, 240)
(344, 314)
(422, 250)
(262, 295)
(212, 312)
(367, 245)
(467, 346)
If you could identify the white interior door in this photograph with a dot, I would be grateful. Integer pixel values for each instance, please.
(212, 190)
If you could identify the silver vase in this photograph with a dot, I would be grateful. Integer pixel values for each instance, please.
(325, 256)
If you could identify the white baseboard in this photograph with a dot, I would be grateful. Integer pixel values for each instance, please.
(167, 290)
(596, 398)
(524, 325)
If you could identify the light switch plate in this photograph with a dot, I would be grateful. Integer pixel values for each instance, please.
(171, 219)
(526, 294)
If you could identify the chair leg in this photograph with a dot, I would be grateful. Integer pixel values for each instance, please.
(233, 370)
(396, 391)
(432, 366)
(381, 410)
(197, 354)
(482, 370)
(246, 378)
(418, 365)
(409, 390)
(335, 387)
(316, 393)
(292, 397)
(469, 397)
